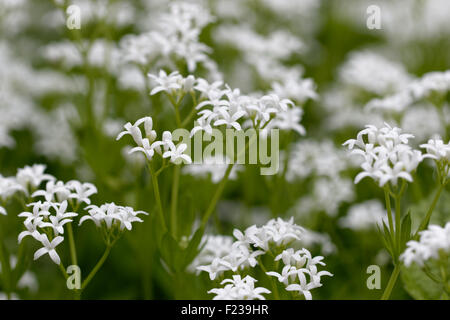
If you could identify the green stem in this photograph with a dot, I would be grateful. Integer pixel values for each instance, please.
(63, 271)
(97, 267)
(73, 250)
(174, 202)
(398, 226)
(157, 196)
(391, 283)
(389, 211)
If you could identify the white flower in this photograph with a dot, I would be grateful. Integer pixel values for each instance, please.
(213, 246)
(374, 73)
(437, 149)
(239, 289)
(386, 155)
(146, 149)
(82, 191)
(2, 210)
(39, 210)
(287, 274)
(33, 176)
(56, 224)
(111, 215)
(432, 241)
(49, 247)
(32, 229)
(8, 187)
(214, 268)
(176, 154)
(53, 191)
(363, 216)
(166, 143)
(135, 132)
(167, 83)
(300, 271)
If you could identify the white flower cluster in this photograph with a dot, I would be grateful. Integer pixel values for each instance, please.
(176, 35)
(255, 241)
(433, 241)
(363, 216)
(239, 288)
(148, 146)
(300, 272)
(293, 86)
(432, 82)
(46, 225)
(110, 216)
(437, 149)
(328, 193)
(386, 154)
(373, 73)
(264, 53)
(320, 158)
(26, 181)
(73, 190)
(46, 221)
(213, 246)
(229, 107)
(220, 105)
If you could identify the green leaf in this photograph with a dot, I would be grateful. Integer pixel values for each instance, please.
(193, 248)
(387, 239)
(406, 231)
(419, 285)
(170, 251)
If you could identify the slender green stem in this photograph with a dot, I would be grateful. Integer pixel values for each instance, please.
(73, 250)
(174, 202)
(389, 210)
(97, 267)
(391, 283)
(398, 227)
(157, 196)
(63, 271)
(216, 197)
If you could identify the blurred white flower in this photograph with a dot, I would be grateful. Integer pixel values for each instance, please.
(432, 241)
(363, 216)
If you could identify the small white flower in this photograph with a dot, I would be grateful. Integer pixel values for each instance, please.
(82, 191)
(214, 268)
(146, 149)
(167, 83)
(33, 176)
(135, 131)
(432, 241)
(176, 154)
(53, 191)
(49, 248)
(239, 289)
(437, 149)
(32, 229)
